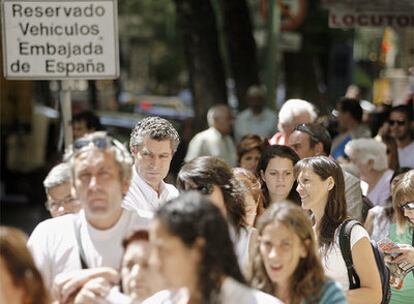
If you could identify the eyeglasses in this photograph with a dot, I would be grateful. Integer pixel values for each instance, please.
(398, 122)
(407, 206)
(65, 203)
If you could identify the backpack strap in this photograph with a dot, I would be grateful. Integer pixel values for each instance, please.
(77, 228)
(345, 245)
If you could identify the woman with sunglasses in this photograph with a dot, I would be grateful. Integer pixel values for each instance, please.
(276, 171)
(286, 262)
(322, 190)
(212, 177)
(193, 250)
(402, 233)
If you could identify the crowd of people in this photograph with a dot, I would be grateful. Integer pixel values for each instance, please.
(259, 221)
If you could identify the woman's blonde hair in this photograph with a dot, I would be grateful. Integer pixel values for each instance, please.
(308, 278)
(402, 193)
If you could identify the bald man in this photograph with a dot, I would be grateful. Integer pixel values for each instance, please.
(216, 140)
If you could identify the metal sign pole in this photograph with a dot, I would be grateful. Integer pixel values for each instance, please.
(66, 107)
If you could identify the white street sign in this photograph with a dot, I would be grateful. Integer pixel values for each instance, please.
(60, 39)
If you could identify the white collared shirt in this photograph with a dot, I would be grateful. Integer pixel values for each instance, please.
(142, 198)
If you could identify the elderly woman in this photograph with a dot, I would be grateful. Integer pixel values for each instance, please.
(293, 112)
(370, 158)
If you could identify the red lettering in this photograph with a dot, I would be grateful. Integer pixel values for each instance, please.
(348, 20)
(362, 20)
(403, 20)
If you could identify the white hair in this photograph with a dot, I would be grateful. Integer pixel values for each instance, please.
(57, 176)
(214, 112)
(294, 107)
(365, 149)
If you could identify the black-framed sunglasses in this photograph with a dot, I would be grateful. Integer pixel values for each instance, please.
(305, 129)
(407, 206)
(394, 122)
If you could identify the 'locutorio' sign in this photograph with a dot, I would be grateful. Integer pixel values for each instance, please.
(60, 39)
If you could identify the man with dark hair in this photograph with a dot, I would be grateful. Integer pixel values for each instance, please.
(400, 120)
(350, 125)
(153, 143)
(85, 122)
(313, 139)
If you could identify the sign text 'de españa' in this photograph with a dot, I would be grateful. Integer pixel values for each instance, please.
(60, 39)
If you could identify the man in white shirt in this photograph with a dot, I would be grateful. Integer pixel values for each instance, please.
(101, 173)
(216, 140)
(400, 120)
(256, 119)
(153, 143)
(313, 139)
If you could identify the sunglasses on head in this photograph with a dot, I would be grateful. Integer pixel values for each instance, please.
(398, 122)
(99, 142)
(305, 129)
(407, 206)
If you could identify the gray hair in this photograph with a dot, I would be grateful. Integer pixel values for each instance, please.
(295, 107)
(57, 176)
(365, 149)
(214, 112)
(121, 154)
(156, 128)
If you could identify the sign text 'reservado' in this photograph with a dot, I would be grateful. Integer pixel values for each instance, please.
(60, 39)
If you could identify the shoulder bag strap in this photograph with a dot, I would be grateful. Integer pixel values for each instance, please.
(345, 245)
(77, 228)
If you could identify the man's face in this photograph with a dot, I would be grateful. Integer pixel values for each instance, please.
(99, 187)
(79, 129)
(300, 143)
(256, 104)
(60, 200)
(152, 160)
(224, 122)
(399, 125)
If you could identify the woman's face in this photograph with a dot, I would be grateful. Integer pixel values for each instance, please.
(281, 250)
(408, 212)
(177, 263)
(250, 160)
(313, 190)
(139, 280)
(279, 177)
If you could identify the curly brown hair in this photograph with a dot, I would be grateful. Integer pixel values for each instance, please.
(308, 279)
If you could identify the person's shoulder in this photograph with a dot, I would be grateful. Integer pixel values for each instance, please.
(57, 227)
(243, 114)
(172, 190)
(236, 292)
(59, 222)
(163, 296)
(331, 293)
(269, 113)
